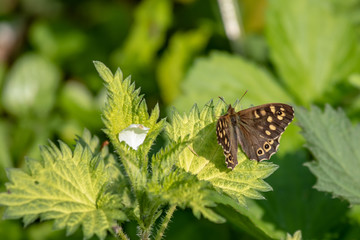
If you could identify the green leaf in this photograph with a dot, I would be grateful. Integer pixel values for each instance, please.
(229, 76)
(249, 219)
(354, 215)
(11, 230)
(333, 141)
(30, 86)
(312, 46)
(176, 58)
(185, 190)
(147, 35)
(79, 104)
(3, 70)
(123, 108)
(206, 161)
(163, 162)
(297, 236)
(70, 187)
(5, 157)
(176, 187)
(58, 40)
(290, 207)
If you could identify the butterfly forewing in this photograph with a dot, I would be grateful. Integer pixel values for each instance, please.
(257, 129)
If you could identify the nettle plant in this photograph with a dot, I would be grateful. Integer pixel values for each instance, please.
(91, 187)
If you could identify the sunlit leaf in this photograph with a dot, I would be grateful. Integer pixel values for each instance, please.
(229, 76)
(124, 107)
(206, 161)
(312, 46)
(67, 186)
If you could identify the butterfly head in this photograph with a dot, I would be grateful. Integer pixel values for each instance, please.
(231, 110)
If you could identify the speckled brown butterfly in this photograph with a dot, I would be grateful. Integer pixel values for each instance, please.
(257, 129)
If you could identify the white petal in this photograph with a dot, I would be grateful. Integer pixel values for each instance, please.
(134, 135)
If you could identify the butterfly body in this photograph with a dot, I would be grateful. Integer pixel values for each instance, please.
(257, 130)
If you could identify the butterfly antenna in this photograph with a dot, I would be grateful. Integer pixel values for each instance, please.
(243, 95)
(222, 99)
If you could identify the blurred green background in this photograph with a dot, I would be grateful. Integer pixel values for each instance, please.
(181, 52)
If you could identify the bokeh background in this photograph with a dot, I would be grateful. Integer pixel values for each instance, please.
(181, 52)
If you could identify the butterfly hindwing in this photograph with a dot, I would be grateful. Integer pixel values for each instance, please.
(257, 148)
(262, 127)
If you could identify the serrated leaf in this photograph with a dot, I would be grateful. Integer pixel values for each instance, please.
(229, 76)
(163, 162)
(124, 107)
(334, 142)
(176, 187)
(312, 46)
(207, 161)
(67, 186)
(185, 190)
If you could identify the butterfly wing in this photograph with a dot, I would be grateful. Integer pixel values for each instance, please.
(259, 129)
(226, 136)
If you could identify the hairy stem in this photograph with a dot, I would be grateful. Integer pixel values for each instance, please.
(144, 234)
(165, 222)
(119, 233)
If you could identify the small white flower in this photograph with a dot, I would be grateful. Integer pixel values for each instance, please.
(134, 135)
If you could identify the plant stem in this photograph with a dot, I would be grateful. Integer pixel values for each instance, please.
(165, 222)
(145, 235)
(119, 234)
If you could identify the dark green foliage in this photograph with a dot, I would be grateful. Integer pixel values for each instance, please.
(299, 52)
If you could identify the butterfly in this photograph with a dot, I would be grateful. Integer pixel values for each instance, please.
(257, 129)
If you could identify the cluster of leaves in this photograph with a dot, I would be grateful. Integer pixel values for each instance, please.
(312, 49)
(306, 70)
(87, 187)
(48, 86)
(71, 187)
(80, 188)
